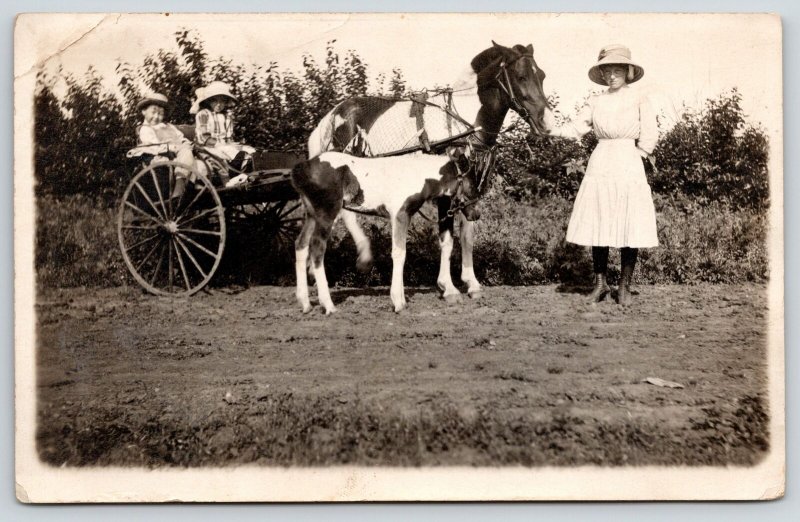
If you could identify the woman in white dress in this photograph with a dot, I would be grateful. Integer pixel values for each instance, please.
(614, 205)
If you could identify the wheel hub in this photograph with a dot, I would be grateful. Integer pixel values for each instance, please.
(171, 227)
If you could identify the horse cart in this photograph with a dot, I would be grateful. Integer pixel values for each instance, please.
(173, 244)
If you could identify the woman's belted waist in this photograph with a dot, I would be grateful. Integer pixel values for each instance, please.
(631, 141)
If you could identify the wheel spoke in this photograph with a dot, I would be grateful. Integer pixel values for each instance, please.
(171, 184)
(191, 257)
(197, 245)
(153, 205)
(142, 242)
(275, 209)
(143, 213)
(180, 263)
(144, 260)
(291, 209)
(158, 266)
(140, 227)
(158, 191)
(206, 232)
(198, 216)
(196, 197)
(171, 268)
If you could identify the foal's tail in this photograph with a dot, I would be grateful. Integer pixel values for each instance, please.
(364, 262)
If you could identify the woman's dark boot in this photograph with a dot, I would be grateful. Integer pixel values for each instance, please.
(628, 264)
(601, 289)
(600, 265)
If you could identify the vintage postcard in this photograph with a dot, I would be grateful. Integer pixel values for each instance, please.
(362, 257)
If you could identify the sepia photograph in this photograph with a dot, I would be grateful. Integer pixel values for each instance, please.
(396, 256)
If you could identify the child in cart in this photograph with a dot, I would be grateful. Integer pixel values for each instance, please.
(162, 139)
(214, 128)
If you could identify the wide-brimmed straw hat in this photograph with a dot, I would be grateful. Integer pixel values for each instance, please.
(209, 91)
(618, 55)
(152, 99)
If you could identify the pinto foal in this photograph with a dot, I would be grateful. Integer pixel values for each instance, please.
(393, 187)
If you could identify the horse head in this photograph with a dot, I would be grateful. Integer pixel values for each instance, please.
(510, 78)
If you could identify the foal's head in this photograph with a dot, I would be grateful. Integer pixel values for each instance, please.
(463, 185)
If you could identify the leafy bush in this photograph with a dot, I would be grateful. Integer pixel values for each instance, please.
(713, 155)
(534, 166)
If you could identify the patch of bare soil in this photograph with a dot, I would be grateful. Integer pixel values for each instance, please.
(525, 375)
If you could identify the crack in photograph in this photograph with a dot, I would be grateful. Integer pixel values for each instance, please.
(445, 244)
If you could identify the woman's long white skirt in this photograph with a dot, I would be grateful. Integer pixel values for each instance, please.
(614, 205)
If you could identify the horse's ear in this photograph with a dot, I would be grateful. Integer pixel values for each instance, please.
(530, 48)
(495, 44)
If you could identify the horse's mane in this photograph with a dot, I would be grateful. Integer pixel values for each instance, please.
(486, 57)
(493, 55)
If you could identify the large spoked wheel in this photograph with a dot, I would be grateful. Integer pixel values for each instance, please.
(276, 221)
(171, 240)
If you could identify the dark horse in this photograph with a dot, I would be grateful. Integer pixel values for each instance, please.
(506, 78)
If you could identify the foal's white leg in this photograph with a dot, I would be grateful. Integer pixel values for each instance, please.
(467, 236)
(399, 234)
(445, 281)
(319, 243)
(361, 240)
(301, 264)
(323, 292)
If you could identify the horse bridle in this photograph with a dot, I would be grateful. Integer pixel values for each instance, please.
(504, 82)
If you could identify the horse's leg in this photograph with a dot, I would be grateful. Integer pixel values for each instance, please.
(362, 241)
(445, 281)
(319, 243)
(301, 246)
(467, 236)
(399, 235)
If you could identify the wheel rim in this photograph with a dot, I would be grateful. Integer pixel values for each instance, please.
(171, 245)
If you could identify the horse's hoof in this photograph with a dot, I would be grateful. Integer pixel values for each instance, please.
(306, 309)
(331, 310)
(452, 298)
(475, 294)
(399, 307)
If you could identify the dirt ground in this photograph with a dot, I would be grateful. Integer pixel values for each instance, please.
(525, 375)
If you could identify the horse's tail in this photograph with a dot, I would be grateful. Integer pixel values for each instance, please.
(321, 138)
